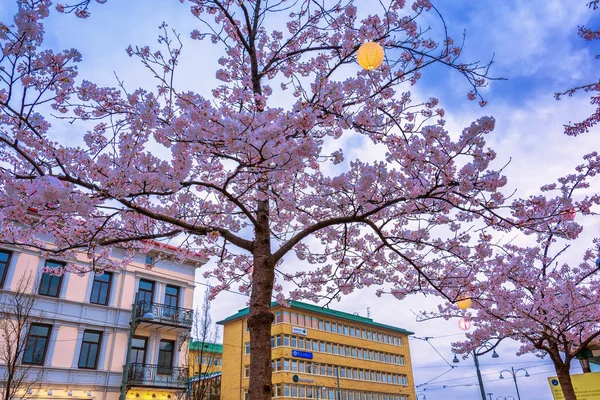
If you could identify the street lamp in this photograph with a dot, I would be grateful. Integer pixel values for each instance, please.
(485, 348)
(421, 394)
(514, 372)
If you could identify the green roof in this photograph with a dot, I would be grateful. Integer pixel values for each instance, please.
(196, 345)
(324, 311)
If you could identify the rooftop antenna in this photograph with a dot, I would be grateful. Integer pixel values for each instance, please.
(368, 312)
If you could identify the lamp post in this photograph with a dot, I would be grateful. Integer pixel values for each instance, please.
(128, 351)
(514, 372)
(485, 348)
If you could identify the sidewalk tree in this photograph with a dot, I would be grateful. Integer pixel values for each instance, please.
(534, 294)
(262, 168)
(17, 314)
(203, 347)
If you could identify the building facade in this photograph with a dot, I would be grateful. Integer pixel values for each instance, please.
(205, 363)
(77, 345)
(319, 353)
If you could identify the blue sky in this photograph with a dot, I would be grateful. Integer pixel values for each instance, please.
(538, 52)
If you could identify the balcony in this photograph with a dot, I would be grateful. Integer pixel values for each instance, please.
(157, 376)
(161, 317)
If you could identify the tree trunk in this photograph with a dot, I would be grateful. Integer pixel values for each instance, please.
(564, 378)
(260, 317)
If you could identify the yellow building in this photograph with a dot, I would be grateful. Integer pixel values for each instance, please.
(205, 363)
(205, 358)
(320, 353)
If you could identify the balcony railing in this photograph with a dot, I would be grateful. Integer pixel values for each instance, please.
(157, 376)
(163, 314)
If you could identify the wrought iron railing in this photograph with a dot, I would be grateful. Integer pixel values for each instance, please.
(161, 313)
(157, 376)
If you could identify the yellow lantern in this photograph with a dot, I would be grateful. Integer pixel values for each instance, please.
(464, 303)
(370, 55)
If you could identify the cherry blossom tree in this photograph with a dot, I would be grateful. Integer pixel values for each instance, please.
(532, 293)
(254, 172)
(574, 129)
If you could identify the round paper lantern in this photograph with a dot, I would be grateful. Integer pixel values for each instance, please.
(464, 303)
(464, 324)
(370, 55)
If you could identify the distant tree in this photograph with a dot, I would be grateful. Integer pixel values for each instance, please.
(16, 316)
(205, 337)
(255, 171)
(574, 129)
(530, 294)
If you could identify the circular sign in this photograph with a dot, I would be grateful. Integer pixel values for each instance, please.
(555, 382)
(295, 378)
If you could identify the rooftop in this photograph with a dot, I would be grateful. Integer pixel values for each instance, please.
(196, 345)
(323, 311)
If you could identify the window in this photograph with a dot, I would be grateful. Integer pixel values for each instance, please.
(4, 263)
(172, 296)
(101, 288)
(149, 260)
(138, 350)
(90, 349)
(146, 291)
(50, 284)
(171, 301)
(165, 356)
(37, 344)
(247, 347)
(246, 371)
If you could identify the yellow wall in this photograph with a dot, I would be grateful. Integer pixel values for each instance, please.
(235, 336)
(204, 368)
(232, 377)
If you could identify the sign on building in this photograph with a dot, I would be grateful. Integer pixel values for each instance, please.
(587, 386)
(298, 330)
(302, 354)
